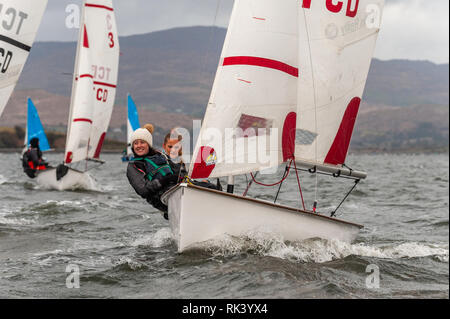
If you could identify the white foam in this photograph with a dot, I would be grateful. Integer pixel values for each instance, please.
(134, 265)
(161, 238)
(319, 250)
(2, 180)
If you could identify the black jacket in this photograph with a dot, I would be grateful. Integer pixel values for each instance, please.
(32, 155)
(150, 190)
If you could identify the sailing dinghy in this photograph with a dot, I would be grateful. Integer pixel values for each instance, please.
(34, 129)
(93, 96)
(132, 125)
(288, 86)
(19, 24)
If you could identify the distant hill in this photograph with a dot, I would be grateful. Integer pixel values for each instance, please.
(170, 71)
(405, 83)
(170, 74)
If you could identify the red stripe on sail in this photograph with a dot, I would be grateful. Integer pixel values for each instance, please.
(86, 76)
(82, 120)
(205, 163)
(85, 38)
(306, 4)
(261, 62)
(99, 146)
(288, 138)
(339, 149)
(69, 158)
(105, 84)
(98, 6)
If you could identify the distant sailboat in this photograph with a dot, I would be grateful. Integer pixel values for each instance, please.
(93, 97)
(35, 129)
(292, 73)
(17, 33)
(132, 125)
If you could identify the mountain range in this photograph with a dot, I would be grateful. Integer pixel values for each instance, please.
(170, 74)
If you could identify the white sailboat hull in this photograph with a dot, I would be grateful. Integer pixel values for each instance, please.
(198, 214)
(73, 180)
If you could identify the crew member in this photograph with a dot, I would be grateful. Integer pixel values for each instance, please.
(32, 160)
(149, 173)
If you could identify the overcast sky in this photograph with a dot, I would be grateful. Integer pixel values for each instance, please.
(411, 29)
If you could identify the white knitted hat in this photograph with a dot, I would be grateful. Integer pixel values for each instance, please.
(142, 134)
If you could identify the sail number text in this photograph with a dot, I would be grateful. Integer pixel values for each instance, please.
(337, 6)
(102, 74)
(11, 19)
(5, 60)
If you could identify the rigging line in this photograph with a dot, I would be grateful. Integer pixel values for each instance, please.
(299, 186)
(315, 99)
(275, 184)
(286, 171)
(248, 184)
(211, 35)
(333, 214)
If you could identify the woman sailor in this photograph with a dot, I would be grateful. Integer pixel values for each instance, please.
(149, 173)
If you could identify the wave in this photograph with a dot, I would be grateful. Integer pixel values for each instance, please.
(320, 250)
(161, 238)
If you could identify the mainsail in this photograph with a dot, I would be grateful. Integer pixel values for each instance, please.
(254, 91)
(34, 128)
(19, 23)
(95, 81)
(132, 122)
(290, 81)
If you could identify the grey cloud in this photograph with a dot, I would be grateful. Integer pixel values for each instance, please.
(412, 29)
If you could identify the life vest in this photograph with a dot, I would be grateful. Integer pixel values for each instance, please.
(156, 166)
(38, 168)
(27, 163)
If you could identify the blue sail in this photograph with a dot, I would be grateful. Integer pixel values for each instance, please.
(133, 116)
(35, 129)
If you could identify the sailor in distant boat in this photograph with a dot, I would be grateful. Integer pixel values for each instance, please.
(150, 173)
(32, 160)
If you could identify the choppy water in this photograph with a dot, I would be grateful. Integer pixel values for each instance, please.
(123, 248)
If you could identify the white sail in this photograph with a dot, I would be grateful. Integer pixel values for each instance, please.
(101, 26)
(255, 88)
(296, 67)
(337, 40)
(82, 102)
(95, 77)
(19, 24)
